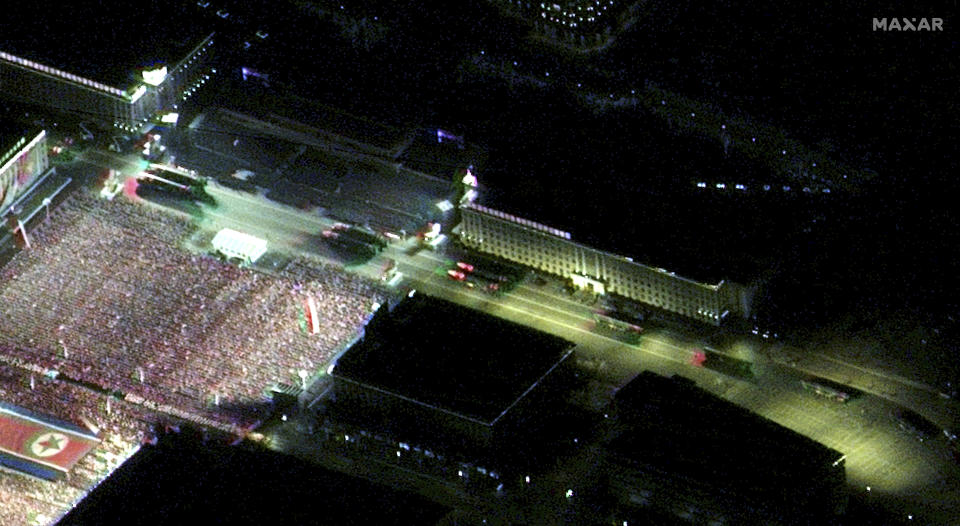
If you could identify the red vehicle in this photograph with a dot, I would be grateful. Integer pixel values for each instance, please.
(456, 275)
(465, 266)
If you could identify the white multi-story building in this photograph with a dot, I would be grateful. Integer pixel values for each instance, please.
(553, 251)
(109, 67)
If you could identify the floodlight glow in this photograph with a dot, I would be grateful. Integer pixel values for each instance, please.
(469, 178)
(155, 77)
(141, 89)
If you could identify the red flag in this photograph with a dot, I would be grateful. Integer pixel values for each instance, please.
(42, 443)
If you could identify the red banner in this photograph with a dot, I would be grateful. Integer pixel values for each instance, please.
(42, 443)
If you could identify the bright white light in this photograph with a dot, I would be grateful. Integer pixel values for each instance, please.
(155, 77)
(141, 89)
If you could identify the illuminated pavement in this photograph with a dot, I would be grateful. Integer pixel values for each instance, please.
(918, 476)
(903, 473)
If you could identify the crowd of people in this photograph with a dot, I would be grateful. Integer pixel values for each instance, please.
(119, 425)
(107, 297)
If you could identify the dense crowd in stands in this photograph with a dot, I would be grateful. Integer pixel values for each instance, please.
(106, 301)
(107, 297)
(120, 425)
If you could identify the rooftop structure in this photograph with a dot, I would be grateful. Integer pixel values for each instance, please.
(164, 481)
(463, 368)
(682, 448)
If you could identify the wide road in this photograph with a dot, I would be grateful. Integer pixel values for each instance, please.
(902, 473)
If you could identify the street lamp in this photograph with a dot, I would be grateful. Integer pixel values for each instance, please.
(46, 204)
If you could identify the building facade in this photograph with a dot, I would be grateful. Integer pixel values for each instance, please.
(126, 106)
(553, 251)
(22, 159)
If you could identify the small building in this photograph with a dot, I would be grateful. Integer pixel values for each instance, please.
(239, 245)
(680, 451)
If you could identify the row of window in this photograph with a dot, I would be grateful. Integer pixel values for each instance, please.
(658, 288)
(659, 293)
(62, 74)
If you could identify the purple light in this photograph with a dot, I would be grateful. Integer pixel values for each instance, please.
(784, 152)
(723, 126)
(754, 139)
(663, 102)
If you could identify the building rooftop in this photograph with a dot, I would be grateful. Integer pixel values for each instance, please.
(450, 357)
(102, 42)
(10, 134)
(186, 480)
(702, 436)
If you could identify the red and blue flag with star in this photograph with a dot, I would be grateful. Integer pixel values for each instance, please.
(31, 440)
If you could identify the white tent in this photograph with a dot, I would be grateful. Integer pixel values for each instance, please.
(235, 244)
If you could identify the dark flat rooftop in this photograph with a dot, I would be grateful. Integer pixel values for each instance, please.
(460, 360)
(694, 433)
(10, 133)
(194, 482)
(102, 41)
